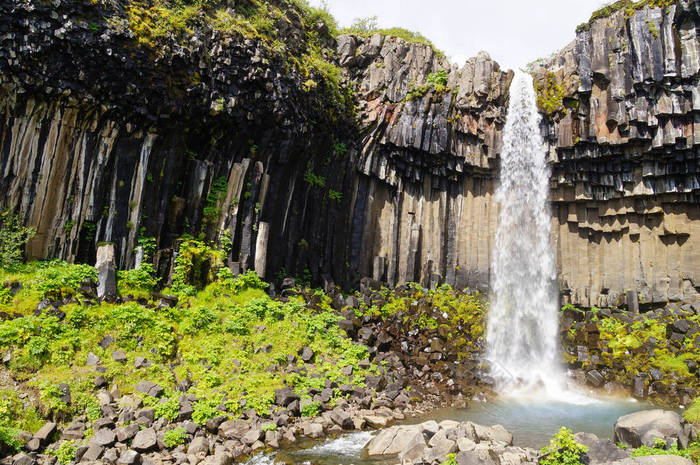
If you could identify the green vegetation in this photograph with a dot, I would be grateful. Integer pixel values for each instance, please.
(366, 27)
(692, 413)
(15, 417)
(436, 82)
(13, 238)
(563, 450)
(229, 338)
(660, 447)
(65, 453)
(450, 459)
(174, 437)
(629, 6)
(550, 95)
(311, 409)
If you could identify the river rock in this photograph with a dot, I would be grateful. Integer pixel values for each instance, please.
(645, 427)
(393, 440)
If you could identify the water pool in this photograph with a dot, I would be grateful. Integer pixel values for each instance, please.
(532, 423)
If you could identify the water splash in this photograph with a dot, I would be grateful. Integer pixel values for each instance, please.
(523, 322)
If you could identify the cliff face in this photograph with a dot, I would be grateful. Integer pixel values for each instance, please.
(104, 140)
(624, 135)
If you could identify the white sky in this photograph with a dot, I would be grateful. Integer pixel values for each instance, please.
(513, 32)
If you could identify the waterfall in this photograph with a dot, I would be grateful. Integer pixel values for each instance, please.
(523, 324)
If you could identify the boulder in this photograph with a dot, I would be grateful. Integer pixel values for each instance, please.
(654, 460)
(145, 440)
(393, 440)
(129, 457)
(285, 396)
(645, 427)
(45, 433)
(104, 437)
(149, 388)
(600, 451)
(199, 447)
(342, 419)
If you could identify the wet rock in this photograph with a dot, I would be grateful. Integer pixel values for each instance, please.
(594, 378)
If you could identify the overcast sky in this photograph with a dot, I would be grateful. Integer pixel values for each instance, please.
(513, 32)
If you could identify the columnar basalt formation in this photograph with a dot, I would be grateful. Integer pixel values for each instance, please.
(105, 139)
(624, 132)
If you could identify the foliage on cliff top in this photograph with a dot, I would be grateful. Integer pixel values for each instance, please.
(630, 6)
(365, 27)
(290, 30)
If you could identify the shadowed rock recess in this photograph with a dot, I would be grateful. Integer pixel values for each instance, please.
(103, 138)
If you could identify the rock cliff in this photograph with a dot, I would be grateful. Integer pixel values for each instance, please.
(622, 107)
(104, 139)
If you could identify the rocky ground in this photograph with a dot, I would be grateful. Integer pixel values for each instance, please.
(652, 355)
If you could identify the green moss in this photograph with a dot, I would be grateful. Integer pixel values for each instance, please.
(629, 6)
(692, 413)
(550, 95)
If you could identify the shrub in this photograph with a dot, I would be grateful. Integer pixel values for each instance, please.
(13, 237)
(62, 279)
(312, 409)
(236, 284)
(660, 449)
(204, 410)
(9, 440)
(174, 437)
(196, 265)
(65, 452)
(562, 450)
(142, 279)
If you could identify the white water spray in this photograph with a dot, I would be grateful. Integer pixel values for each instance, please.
(523, 322)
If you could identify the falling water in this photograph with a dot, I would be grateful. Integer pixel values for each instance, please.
(522, 327)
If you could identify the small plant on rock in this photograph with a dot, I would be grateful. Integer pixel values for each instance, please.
(563, 450)
(312, 409)
(65, 453)
(174, 437)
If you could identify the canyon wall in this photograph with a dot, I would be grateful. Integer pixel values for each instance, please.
(102, 141)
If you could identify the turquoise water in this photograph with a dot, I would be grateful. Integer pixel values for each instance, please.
(532, 423)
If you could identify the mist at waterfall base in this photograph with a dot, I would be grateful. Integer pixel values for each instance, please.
(522, 327)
